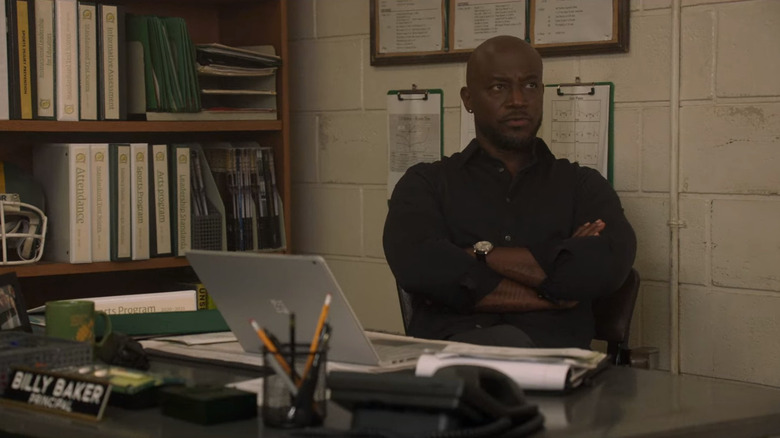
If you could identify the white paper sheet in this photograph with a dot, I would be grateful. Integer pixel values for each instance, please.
(413, 134)
(410, 26)
(576, 125)
(572, 21)
(479, 20)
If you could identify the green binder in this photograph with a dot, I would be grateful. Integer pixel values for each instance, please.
(168, 323)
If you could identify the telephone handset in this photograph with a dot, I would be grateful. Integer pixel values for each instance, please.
(463, 401)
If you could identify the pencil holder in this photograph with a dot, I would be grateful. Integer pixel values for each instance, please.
(294, 399)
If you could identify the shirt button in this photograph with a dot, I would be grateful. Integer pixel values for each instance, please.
(478, 326)
(500, 170)
(508, 238)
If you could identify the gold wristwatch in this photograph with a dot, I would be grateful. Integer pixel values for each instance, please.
(481, 250)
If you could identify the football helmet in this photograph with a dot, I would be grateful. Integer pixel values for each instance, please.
(22, 220)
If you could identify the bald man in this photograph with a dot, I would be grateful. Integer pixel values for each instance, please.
(503, 244)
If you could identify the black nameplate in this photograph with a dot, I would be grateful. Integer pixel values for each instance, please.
(55, 392)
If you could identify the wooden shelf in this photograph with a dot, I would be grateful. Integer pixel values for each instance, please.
(140, 126)
(43, 269)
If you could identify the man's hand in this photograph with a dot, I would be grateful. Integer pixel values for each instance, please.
(590, 229)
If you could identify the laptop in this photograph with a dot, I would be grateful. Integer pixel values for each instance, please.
(267, 287)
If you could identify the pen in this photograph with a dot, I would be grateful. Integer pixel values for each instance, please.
(317, 334)
(292, 341)
(272, 348)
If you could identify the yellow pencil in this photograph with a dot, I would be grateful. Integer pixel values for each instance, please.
(315, 341)
(271, 347)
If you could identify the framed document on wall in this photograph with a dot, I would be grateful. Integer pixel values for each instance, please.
(576, 27)
(431, 31)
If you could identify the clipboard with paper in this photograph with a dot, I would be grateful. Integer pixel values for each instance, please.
(578, 123)
(414, 130)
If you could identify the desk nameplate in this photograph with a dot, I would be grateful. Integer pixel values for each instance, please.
(74, 396)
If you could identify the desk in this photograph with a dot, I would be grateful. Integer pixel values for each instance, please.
(621, 402)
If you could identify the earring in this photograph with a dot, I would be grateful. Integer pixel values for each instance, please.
(469, 110)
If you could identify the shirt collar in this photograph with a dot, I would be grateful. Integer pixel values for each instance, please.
(541, 153)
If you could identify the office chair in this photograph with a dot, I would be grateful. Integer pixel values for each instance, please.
(612, 315)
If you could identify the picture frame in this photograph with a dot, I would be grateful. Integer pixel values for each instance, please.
(13, 311)
(435, 32)
(558, 31)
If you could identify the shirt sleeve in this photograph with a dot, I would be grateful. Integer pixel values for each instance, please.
(419, 251)
(584, 268)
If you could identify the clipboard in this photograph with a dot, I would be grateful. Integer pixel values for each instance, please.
(578, 123)
(415, 130)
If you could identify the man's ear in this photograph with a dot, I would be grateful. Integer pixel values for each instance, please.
(465, 97)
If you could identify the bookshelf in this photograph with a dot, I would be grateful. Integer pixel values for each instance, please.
(231, 22)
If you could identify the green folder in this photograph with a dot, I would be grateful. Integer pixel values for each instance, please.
(168, 323)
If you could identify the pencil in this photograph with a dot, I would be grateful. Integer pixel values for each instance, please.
(315, 341)
(269, 345)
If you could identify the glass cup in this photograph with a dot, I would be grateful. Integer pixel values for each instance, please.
(296, 401)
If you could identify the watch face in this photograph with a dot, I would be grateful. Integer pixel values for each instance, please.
(483, 247)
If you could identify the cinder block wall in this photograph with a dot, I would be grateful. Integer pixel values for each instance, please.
(729, 133)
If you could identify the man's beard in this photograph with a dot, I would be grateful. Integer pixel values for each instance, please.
(509, 143)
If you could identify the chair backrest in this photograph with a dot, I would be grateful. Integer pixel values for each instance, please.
(612, 315)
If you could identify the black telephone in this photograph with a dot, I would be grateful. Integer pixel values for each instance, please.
(462, 401)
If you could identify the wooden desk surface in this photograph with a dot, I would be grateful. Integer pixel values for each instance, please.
(621, 402)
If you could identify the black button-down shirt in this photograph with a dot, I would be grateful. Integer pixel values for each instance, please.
(437, 209)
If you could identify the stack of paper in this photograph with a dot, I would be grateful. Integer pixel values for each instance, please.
(546, 369)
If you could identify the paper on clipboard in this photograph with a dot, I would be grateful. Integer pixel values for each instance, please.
(414, 131)
(576, 124)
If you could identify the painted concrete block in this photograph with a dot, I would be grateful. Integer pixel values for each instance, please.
(314, 63)
(656, 149)
(730, 148)
(746, 244)
(303, 144)
(747, 38)
(696, 63)
(626, 149)
(374, 214)
(642, 74)
(353, 147)
(694, 240)
(649, 216)
(730, 334)
(655, 319)
(449, 77)
(560, 70)
(327, 219)
(370, 288)
(343, 17)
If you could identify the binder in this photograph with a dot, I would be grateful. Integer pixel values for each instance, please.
(120, 187)
(100, 202)
(111, 55)
(21, 64)
(88, 61)
(415, 120)
(139, 198)
(180, 195)
(578, 123)
(45, 37)
(64, 172)
(4, 66)
(67, 86)
(160, 205)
